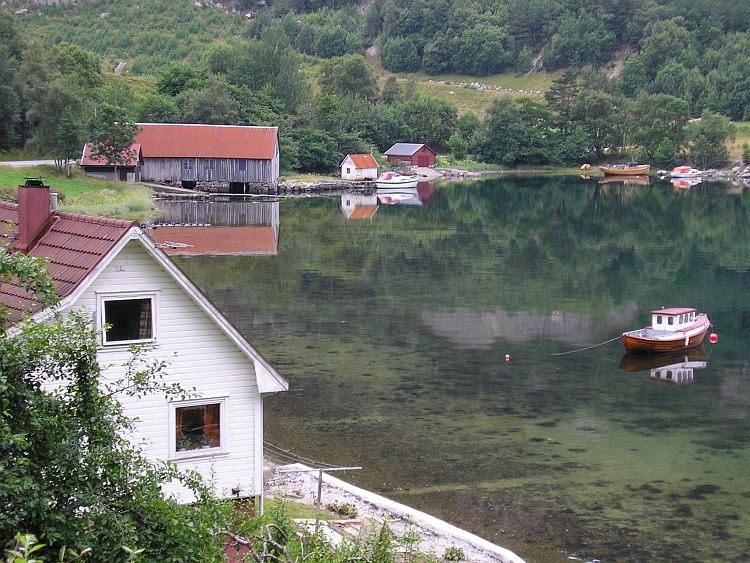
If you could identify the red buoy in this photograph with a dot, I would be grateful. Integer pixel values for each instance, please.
(713, 338)
(507, 357)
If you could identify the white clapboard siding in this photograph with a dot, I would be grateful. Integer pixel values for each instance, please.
(205, 358)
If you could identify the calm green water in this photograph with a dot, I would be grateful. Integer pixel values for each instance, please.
(393, 333)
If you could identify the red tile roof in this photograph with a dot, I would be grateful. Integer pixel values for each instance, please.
(163, 140)
(88, 160)
(74, 244)
(363, 160)
(215, 240)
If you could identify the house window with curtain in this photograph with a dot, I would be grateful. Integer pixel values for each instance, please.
(197, 426)
(128, 320)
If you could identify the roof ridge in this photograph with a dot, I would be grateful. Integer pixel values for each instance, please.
(106, 221)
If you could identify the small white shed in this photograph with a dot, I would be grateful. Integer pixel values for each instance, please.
(359, 167)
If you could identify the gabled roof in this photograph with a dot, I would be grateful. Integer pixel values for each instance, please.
(405, 149)
(74, 244)
(215, 240)
(79, 247)
(171, 140)
(362, 160)
(88, 160)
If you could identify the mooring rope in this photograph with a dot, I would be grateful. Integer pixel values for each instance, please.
(587, 348)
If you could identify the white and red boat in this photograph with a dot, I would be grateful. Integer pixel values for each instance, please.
(678, 328)
(396, 180)
(685, 172)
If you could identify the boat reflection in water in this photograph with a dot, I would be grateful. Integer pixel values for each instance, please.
(685, 183)
(626, 180)
(675, 368)
(421, 194)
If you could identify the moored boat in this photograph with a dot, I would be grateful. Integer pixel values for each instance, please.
(685, 172)
(626, 170)
(678, 328)
(396, 180)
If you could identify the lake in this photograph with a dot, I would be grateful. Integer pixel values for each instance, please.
(392, 318)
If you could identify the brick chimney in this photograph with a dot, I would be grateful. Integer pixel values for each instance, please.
(33, 212)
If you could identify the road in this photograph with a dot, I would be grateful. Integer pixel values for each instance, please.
(25, 163)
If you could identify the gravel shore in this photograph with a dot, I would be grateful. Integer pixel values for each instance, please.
(296, 482)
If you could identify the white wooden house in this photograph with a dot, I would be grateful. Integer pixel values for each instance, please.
(359, 167)
(113, 269)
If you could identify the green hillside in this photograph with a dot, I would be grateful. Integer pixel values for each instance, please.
(509, 82)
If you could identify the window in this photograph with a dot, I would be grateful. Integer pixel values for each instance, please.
(242, 164)
(209, 164)
(348, 170)
(670, 321)
(187, 164)
(198, 426)
(658, 319)
(129, 320)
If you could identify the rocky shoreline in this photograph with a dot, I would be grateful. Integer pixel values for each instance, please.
(299, 483)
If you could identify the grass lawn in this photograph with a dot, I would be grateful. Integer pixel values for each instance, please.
(86, 195)
(743, 136)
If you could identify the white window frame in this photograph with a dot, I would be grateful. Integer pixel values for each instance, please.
(220, 449)
(103, 298)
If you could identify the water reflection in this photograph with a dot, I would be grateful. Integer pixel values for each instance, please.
(675, 368)
(420, 195)
(394, 334)
(359, 206)
(626, 181)
(217, 228)
(686, 183)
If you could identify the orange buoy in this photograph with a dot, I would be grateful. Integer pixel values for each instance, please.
(713, 338)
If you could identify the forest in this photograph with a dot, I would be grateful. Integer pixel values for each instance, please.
(659, 81)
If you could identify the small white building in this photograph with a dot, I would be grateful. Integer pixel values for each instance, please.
(359, 167)
(114, 270)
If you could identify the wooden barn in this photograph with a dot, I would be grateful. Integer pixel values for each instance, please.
(97, 166)
(232, 155)
(414, 154)
(359, 167)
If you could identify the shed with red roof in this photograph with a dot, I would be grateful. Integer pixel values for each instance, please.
(359, 167)
(231, 155)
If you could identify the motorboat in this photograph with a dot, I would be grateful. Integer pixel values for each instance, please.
(685, 172)
(395, 180)
(671, 330)
(626, 169)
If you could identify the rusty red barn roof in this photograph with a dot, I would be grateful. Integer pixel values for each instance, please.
(215, 240)
(74, 245)
(169, 140)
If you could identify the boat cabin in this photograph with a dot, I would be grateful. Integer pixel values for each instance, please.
(672, 320)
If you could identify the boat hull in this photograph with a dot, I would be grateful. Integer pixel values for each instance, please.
(400, 183)
(635, 343)
(642, 170)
